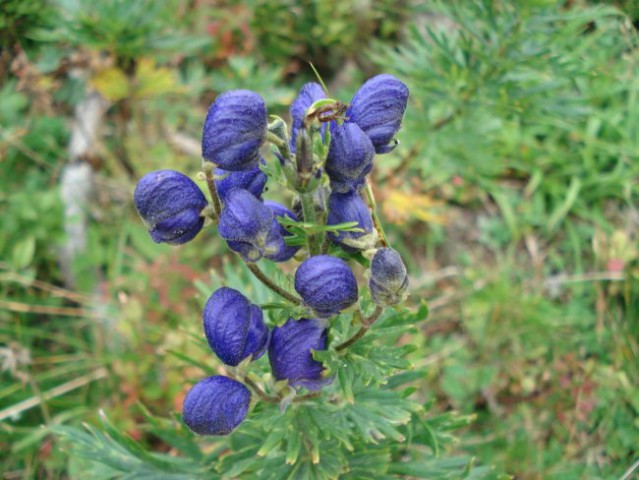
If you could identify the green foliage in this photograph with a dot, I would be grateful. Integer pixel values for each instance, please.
(522, 125)
(327, 32)
(505, 90)
(128, 30)
(18, 18)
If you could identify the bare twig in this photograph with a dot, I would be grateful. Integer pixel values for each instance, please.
(586, 277)
(183, 143)
(47, 309)
(630, 471)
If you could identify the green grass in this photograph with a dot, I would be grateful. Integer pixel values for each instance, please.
(522, 128)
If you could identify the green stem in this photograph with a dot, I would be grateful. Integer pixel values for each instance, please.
(207, 168)
(366, 324)
(308, 209)
(373, 206)
(255, 387)
(262, 277)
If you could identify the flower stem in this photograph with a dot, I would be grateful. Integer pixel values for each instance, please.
(258, 390)
(262, 277)
(207, 168)
(308, 209)
(366, 324)
(373, 206)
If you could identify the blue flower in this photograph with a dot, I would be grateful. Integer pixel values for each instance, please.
(234, 327)
(253, 180)
(281, 211)
(309, 94)
(215, 406)
(234, 130)
(378, 108)
(350, 155)
(247, 226)
(290, 353)
(170, 205)
(388, 277)
(350, 207)
(326, 284)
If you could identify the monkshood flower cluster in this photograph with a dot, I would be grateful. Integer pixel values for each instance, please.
(325, 160)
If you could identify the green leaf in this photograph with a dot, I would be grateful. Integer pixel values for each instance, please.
(23, 252)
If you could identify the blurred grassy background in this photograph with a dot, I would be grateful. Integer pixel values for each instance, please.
(513, 197)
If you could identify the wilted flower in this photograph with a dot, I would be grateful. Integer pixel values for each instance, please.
(247, 226)
(350, 156)
(326, 284)
(309, 94)
(378, 108)
(234, 130)
(281, 211)
(234, 327)
(215, 406)
(290, 353)
(252, 180)
(170, 204)
(350, 207)
(388, 277)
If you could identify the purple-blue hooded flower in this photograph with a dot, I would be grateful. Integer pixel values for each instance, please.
(234, 130)
(290, 353)
(326, 284)
(170, 205)
(253, 180)
(309, 94)
(350, 155)
(234, 328)
(281, 211)
(388, 277)
(215, 406)
(350, 207)
(378, 108)
(247, 226)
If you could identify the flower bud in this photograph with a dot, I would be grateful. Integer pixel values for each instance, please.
(252, 180)
(234, 130)
(281, 211)
(234, 328)
(309, 94)
(350, 207)
(378, 108)
(290, 353)
(350, 155)
(247, 226)
(388, 278)
(215, 406)
(326, 284)
(170, 205)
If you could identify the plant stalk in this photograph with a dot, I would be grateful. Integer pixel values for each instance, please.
(262, 277)
(370, 198)
(366, 324)
(308, 210)
(207, 168)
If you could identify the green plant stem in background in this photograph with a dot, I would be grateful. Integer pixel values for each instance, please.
(366, 324)
(308, 209)
(261, 276)
(207, 168)
(370, 198)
